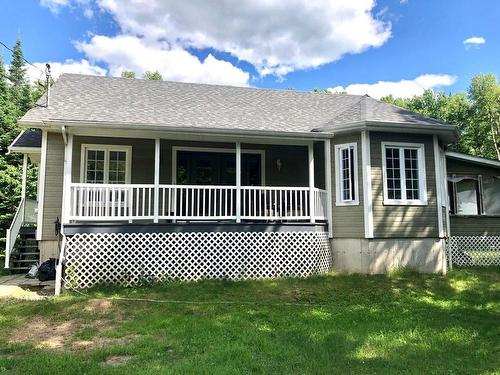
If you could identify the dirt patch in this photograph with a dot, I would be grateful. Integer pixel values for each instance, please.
(44, 334)
(98, 305)
(117, 360)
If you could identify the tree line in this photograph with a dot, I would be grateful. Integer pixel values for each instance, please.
(476, 113)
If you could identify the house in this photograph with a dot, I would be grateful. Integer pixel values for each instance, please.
(154, 180)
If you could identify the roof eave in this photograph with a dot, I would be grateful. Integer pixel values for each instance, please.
(56, 124)
(447, 133)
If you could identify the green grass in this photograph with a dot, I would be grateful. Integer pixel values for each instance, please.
(401, 323)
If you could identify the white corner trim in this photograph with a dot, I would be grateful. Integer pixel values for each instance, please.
(338, 175)
(439, 187)
(422, 180)
(328, 185)
(68, 164)
(367, 183)
(41, 186)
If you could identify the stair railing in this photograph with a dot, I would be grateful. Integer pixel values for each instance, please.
(26, 213)
(13, 231)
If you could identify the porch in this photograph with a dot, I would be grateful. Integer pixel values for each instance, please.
(190, 207)
(125, 180)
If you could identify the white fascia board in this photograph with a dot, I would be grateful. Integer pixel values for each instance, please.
(188, 130)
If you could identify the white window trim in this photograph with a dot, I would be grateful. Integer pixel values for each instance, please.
(338, 175)
(422, 183)
(106, 149)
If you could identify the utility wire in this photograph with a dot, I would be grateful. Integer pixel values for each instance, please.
(26, 61)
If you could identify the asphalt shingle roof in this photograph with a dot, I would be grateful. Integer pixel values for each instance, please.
(28, 138)
(187, 105)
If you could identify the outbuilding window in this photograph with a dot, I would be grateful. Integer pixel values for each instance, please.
(404, 174)
(472, 195)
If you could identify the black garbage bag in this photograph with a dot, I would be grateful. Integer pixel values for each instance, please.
(47, 270)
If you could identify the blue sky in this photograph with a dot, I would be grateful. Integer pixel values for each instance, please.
(300, 44)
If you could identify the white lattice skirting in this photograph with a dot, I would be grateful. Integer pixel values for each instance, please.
(133, 258)
(474, 250)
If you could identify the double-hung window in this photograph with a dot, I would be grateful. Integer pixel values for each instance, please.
(105, 164)
(403, 167)
(346, 174)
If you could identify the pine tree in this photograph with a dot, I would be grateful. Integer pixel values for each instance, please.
(17, 70)
(20, 89)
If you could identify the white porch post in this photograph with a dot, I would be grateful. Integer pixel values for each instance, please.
(328, 186)
(25, 173)
(311, 182)
(157, 180)
(66, 208)
(68, 160)
(238, 182)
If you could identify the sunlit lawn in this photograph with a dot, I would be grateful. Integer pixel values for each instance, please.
(403, 323)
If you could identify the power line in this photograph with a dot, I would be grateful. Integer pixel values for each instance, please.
(26, 61)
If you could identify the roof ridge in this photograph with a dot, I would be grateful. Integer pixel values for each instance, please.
(292, 91)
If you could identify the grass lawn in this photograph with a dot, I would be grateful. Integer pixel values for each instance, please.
(337, 323)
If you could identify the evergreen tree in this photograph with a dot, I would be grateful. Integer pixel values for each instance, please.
(20, 89)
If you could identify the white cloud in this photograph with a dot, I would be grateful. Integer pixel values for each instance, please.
(55, 6)
(276, 37)
(125, 52)
(400, 89)
(474, 42)
(68, 66)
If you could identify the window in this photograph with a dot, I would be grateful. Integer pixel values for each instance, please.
(404, 174)
(474, 195)
(103, 164)
(491, 194)
(346, 176)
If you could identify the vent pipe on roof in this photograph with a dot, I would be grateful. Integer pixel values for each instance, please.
(47, 83)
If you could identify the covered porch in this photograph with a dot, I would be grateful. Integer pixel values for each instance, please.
(175, 179)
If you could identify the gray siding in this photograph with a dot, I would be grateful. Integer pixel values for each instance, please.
(348, 221)
(403, 221)
(473, 225)
(294, 171)
(143, 156)
(463, 167)
(53, 185)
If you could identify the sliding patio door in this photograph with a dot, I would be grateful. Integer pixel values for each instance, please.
(215, 173)
(217, 168)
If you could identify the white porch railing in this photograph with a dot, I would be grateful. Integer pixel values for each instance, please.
(108, 202)
(25, 214)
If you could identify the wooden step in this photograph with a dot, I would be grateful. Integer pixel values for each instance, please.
(25, 261)
(24, 254)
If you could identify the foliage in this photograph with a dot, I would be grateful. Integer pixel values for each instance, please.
(405, 323)
(154, 76)
(484, 93)
(477, 115)
(128, 74)
(16, 97)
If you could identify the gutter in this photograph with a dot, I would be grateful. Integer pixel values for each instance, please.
(59, 124)
(448, 132)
